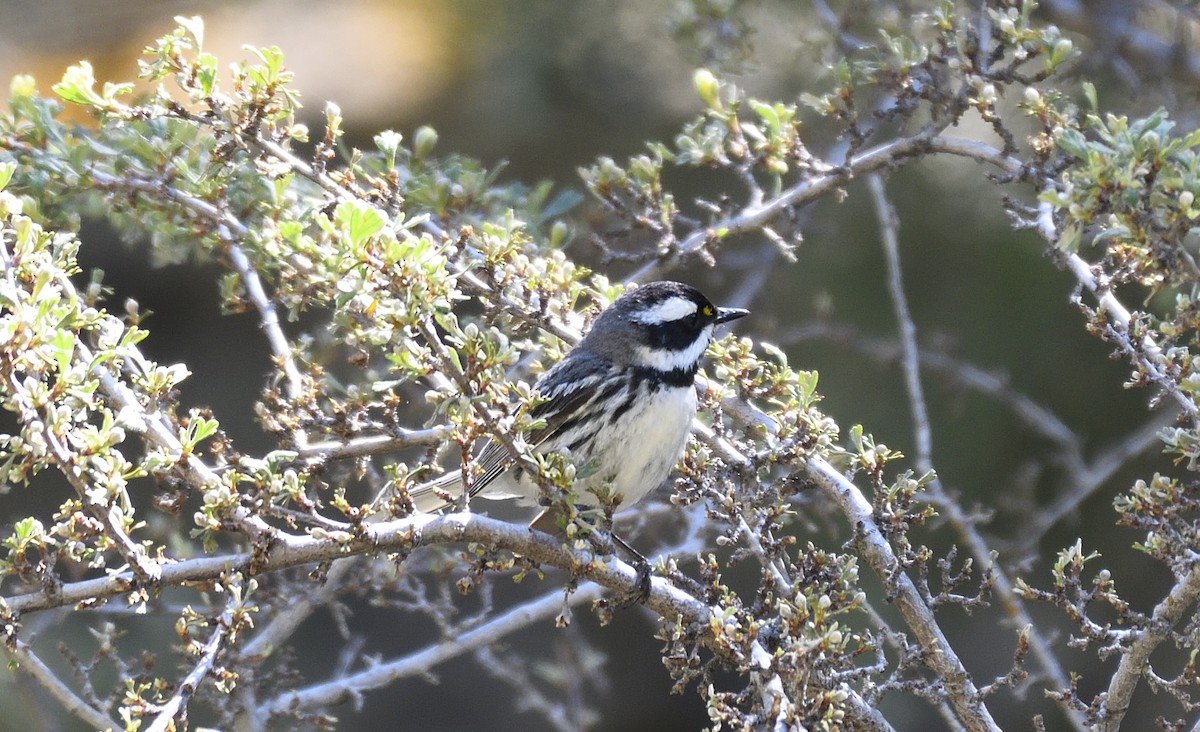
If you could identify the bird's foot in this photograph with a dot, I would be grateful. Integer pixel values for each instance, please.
(641, 591)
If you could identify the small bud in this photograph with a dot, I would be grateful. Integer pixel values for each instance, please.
(424, 140)
(10, 205)
(388, 141)
(708, 88)
(1032, 95)
(22, 85)
(1186, 199)
(1062, 49)
(558, 234)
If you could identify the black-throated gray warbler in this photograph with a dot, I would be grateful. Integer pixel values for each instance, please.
(621, 402)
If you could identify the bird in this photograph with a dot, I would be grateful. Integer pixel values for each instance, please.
(620, 403)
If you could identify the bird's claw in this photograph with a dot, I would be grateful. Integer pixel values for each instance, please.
(641, 591)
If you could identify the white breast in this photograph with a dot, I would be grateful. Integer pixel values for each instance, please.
(632, 456)
(645, 443)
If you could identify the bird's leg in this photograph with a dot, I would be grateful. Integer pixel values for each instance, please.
(642, 567)
(547, 521)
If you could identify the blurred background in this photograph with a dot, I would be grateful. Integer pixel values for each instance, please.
(544, 87)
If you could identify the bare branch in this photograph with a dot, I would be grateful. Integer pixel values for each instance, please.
(924, 446)
(365, 445)
(419, 663)
(754, 217)
(229, 231)
(1120, 35)
(400, 534)
(889, 225)
(1088, 478)
(170, 712)
(1031, 414)
(939, 654)
(26, 661)
(1135, 659)
(284, 623)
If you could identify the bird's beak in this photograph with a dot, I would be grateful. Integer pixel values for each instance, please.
(724, 315)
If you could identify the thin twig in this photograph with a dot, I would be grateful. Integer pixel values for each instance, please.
(170, 712)
(1145, 48)
(419, 663)
(923, 459)
(290, 616)
(229, 230)
(26, 661)
(889, 225)
(939, 654)
(753, 217)
(1032, 415)
(1089, 478)
(1136, 658)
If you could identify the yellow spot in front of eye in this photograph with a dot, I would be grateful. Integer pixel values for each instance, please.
(708, 311)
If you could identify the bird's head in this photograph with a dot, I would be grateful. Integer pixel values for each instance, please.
(660, 325)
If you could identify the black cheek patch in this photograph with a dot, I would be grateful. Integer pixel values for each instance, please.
(670, 336)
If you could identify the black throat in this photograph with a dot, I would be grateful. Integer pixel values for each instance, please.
(658, 377)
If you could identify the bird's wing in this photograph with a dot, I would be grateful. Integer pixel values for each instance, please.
(567, 390)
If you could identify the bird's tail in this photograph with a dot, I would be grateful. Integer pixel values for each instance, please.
(432, 495)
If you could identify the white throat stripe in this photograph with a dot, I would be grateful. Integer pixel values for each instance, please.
(673, 308)
(665, 360)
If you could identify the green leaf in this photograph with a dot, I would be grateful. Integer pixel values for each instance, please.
(856, 437)
(776, 353)
(77, 85)
(63, 345)
(204, 428)
(559, 205)
(272, 63)
(193, 26)
(359, 221)
(1072, 142)
(1071, 237)
(767, 113)
(808, 385)
(206, 72)
(1089, 92)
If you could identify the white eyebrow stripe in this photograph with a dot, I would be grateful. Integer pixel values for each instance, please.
(671, 309)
